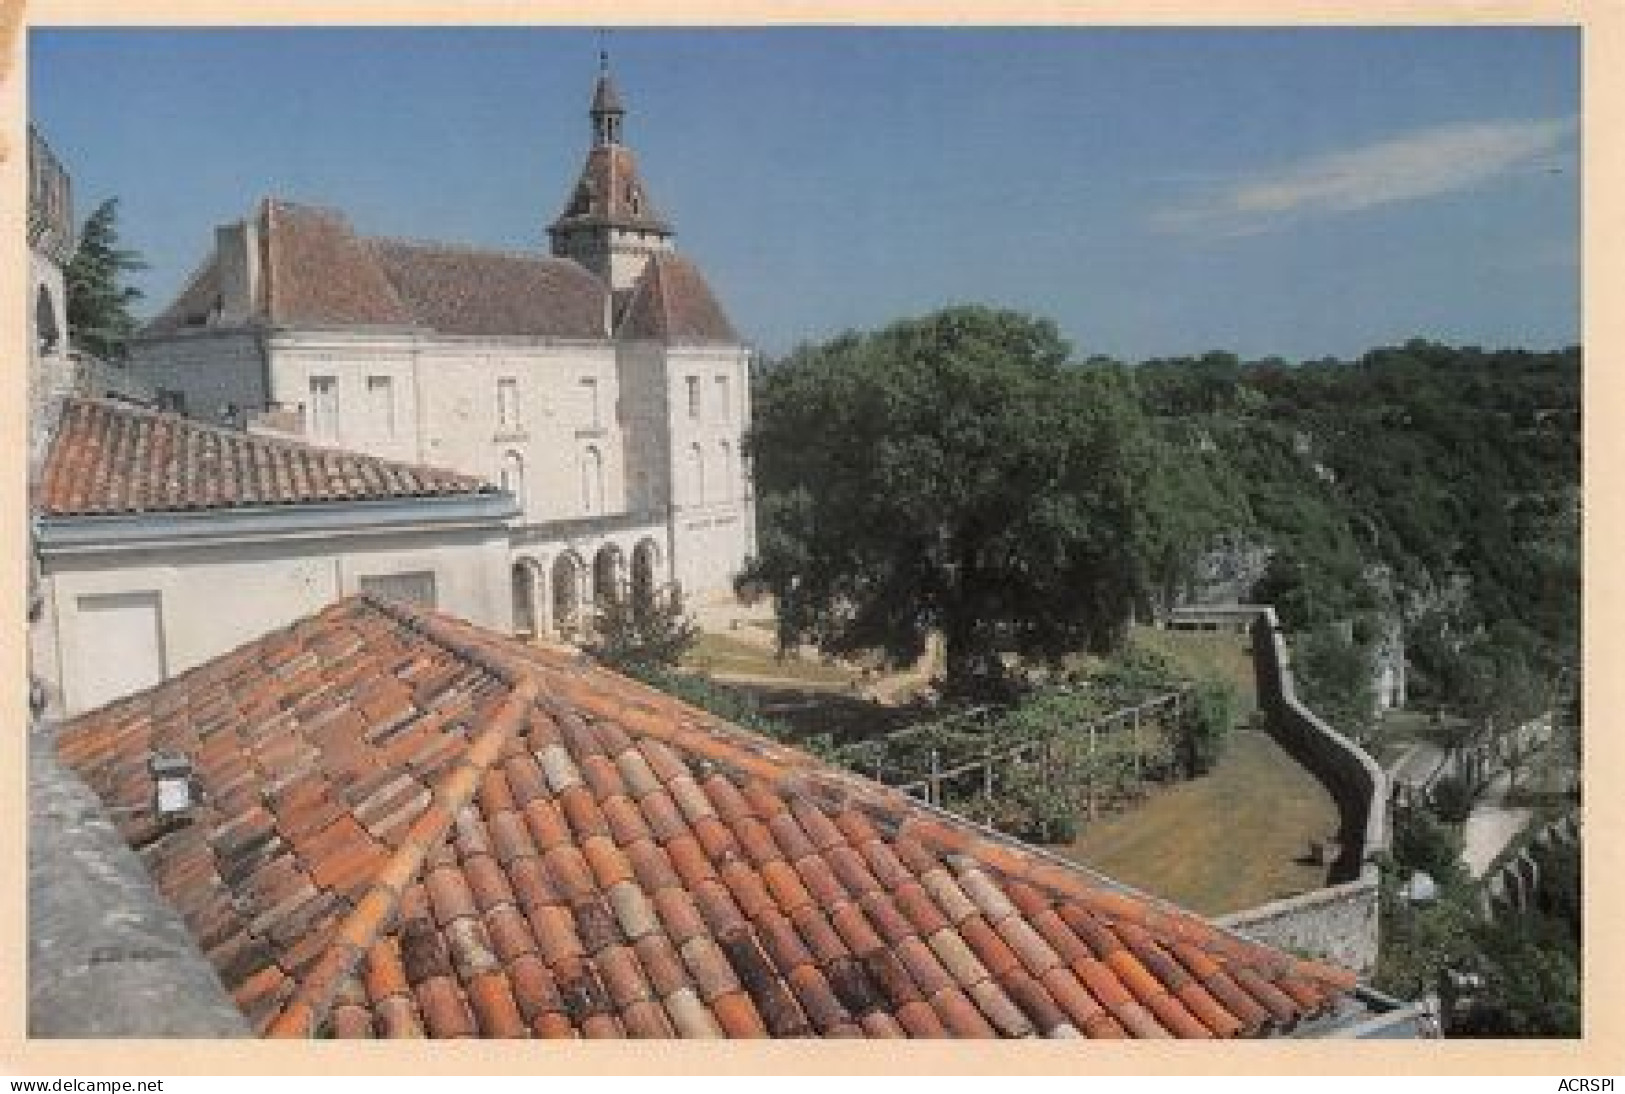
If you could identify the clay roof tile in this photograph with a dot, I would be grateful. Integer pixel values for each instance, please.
(554, 851)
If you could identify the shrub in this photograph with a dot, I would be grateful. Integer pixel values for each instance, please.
(1451, 799)
(731, 706)
(633, 638)
(1205, 727)
(1423, 842)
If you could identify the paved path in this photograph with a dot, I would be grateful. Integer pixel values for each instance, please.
(1492, 825)
(1417, 766)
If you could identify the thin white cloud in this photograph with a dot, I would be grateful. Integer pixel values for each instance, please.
(1416, 165)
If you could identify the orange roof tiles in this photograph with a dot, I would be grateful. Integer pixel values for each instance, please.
(671, 302)
(319, 272)
(109, 458)
(571, 854)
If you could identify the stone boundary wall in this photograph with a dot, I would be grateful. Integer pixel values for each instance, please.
(1357, 784)
(1338, 923)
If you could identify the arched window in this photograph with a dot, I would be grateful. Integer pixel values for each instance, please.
(592, 481)
(513, 475)
(47, 330)
(725, 472)
(696, 474)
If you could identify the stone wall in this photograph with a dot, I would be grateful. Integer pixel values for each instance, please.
(1357, 784)
(1338, 923)
(107, 957)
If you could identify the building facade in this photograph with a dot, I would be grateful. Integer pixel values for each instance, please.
(601, 384)
(163, 542)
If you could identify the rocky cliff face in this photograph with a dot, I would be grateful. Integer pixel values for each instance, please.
(1227, 573)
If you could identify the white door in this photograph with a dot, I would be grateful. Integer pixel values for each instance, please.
(120, 648)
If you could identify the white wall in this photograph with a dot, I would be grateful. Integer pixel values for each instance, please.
(714, 515)
(215, 598)
(447, 408)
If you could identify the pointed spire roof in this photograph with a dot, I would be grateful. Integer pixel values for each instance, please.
(605, 98)
(609, 193)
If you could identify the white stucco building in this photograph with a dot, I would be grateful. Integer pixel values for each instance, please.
(163, 542)
(601, 383)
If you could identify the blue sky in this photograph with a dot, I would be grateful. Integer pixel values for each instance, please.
(1300, 192)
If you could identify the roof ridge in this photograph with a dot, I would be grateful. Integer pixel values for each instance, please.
(269, 440)
(465, 248)
(643, 286)
(301, 1015)
(435, 627)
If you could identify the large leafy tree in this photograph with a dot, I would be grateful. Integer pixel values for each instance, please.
(99, 302)
(952, 474)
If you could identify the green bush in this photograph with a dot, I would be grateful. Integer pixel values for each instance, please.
(1205, 727)
(634, 637)
(731, 706)
(1423, 842)
(1451, 798)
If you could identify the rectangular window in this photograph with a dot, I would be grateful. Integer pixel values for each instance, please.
(381, 398)
(323, 420)
(589, 394)
(724, 406)
(413, 588)
(693, 397)
(507, 404)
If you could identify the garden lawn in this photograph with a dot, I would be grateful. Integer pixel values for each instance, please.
(1233, 839)
(719, 654)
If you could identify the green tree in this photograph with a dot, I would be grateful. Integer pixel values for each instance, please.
(953, 474)
(1334, 675)
(99, 320)
(1529, 969)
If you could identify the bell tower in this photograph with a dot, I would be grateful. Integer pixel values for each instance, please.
(609, 224)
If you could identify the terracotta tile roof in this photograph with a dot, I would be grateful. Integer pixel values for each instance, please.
(409, 826)
(672, 303)
(463, 290)
(109, 457)
(610, 193)
(318, 272)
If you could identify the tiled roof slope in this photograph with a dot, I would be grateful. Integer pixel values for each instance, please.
(610, 194)
(319, 272)
(409, 826)
(464, 290)
(672, 303)
(316, 271)
(109, 457)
